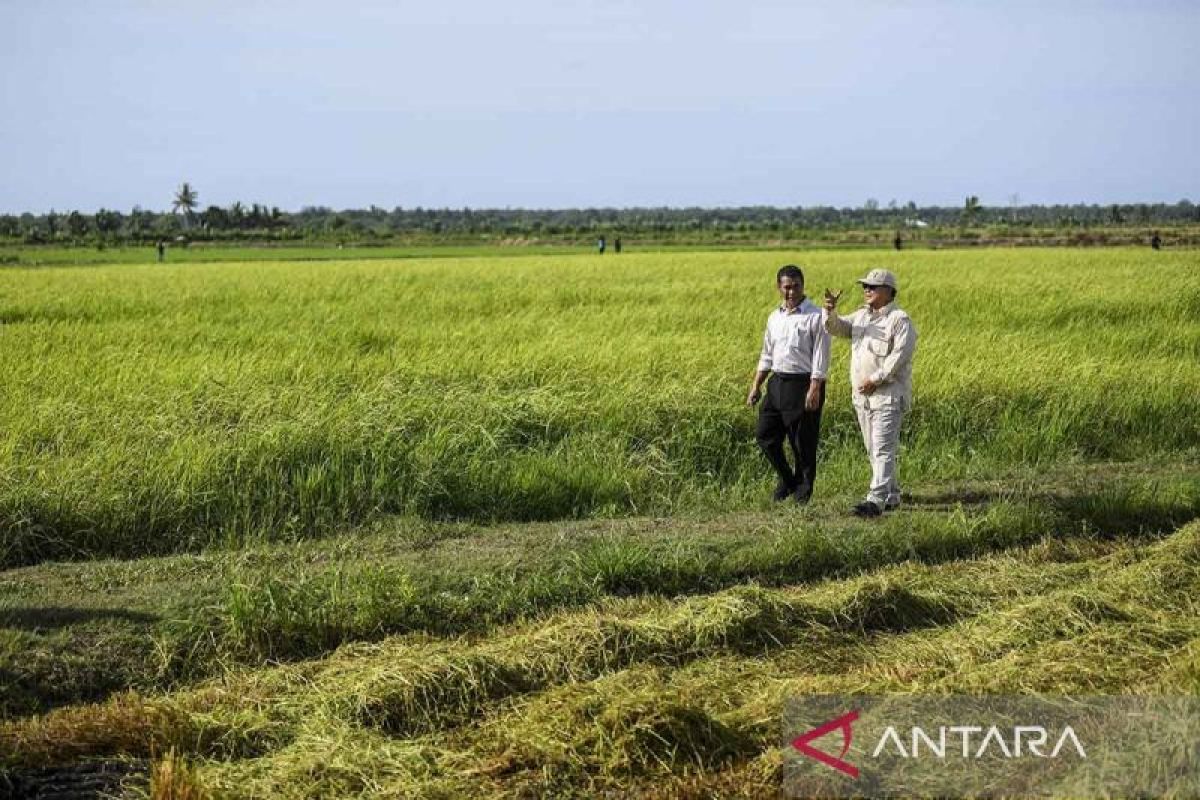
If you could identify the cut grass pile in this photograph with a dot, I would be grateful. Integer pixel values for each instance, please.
(277, 616)
(77, 632)
(674, 696)
(159, 409)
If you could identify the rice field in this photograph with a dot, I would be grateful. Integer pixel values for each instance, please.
(497, 526)
(154, 409)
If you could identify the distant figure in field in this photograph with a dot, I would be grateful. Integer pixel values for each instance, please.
(600, 245)
(1156, 241)
(883, 341)
(161, 247)
(898, 243)
(795, 353)
(617, 246)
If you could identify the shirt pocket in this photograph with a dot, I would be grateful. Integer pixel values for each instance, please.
(879, 343)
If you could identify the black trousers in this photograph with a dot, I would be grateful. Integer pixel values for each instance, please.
(782, 416)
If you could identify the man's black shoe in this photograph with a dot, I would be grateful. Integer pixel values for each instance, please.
(803, 494)
(866, 509)
(891, 506)
(783, 490)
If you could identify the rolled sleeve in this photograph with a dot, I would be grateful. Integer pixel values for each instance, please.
(764, 359)
(820, 353)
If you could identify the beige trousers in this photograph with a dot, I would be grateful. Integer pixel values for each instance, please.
(881, 435)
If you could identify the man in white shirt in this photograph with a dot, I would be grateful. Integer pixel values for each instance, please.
(883, 341)
(795, 353)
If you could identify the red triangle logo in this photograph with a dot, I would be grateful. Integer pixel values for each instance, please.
(842, 723)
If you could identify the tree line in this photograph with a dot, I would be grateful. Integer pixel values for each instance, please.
(254, 221)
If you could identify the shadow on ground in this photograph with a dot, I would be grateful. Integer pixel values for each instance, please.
(61, 616)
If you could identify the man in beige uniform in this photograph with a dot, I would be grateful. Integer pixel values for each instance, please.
(883, 341)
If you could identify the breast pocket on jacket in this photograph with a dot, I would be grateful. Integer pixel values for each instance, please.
(879, 343)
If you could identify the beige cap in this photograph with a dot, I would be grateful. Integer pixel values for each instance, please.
(880, 277)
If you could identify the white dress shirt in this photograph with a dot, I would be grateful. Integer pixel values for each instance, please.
(796, 342)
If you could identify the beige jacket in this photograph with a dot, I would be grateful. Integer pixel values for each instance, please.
(882, 345)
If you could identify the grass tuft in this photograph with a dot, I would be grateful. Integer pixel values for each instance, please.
(173, 778)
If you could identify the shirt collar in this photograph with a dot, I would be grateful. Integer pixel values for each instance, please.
(883, 312)
(784, 310)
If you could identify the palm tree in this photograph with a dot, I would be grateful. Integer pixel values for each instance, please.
(971, 209)
(237, 215)
(186, 199)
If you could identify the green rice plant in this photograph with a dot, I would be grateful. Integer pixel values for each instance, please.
(316, 615)
(149, 410)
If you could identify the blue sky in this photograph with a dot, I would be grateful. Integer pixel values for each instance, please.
(561, 103)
